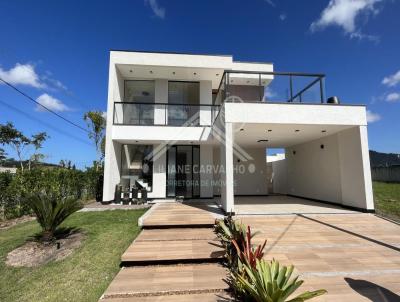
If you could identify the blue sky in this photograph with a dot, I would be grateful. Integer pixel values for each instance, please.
(57, 51)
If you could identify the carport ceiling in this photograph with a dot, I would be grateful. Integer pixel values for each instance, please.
(281, 136)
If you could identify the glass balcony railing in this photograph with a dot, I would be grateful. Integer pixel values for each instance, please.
(275, 87)
(164, 114)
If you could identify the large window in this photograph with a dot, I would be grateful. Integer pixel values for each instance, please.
(186, 96)
(136, 165)
(141, 94)
(138, 91)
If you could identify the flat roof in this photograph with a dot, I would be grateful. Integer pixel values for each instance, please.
(189, 53)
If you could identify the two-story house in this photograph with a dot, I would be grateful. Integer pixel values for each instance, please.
(198, 126)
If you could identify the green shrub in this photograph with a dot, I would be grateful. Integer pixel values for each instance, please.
(68, 182)
(51, 208)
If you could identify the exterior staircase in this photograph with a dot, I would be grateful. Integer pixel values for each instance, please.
(176, 257)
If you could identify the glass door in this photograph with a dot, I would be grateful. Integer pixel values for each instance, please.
(183, 178)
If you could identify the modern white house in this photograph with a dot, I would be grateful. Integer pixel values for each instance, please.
(198, 127)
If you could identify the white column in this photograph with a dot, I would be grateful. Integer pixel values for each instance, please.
(206, 174)
(205, 99)
(227, 185)
(369, 195)
(113, 149)
(161, 96)
(355, 172)
(159, 172)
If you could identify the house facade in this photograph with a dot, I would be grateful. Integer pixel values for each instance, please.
(198, 126)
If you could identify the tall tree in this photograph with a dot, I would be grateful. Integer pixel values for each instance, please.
(14, 138)
(37, 141)
(3, 155)
(96, 124)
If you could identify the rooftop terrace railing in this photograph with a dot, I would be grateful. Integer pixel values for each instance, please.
(281, 87)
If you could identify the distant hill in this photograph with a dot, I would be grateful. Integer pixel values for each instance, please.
(12, 163)
(379, 159)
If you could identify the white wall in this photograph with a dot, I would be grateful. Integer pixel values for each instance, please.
(250, 177)
(160, 133)
(216, 174)
(160, 96)
(314, 172)
(205, 99)
(112, 160)
(338, 173)
(318, 114)
(206, 176)
(227, 178)
(355, 168)
(159, 173)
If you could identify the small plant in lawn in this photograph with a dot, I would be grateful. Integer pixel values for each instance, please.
(51, 209)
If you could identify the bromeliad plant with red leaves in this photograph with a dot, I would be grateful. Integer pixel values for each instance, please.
(254, 279)
(247, 253)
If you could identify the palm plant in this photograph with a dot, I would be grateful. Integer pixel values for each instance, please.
(51, 209)
(270, 282)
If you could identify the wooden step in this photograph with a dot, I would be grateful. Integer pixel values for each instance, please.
(174, 246)
(180, 215)
(167, 279)
(206, 297)
(176, 234)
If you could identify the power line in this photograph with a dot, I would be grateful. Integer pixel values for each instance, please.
(37, 103)
(44, 123)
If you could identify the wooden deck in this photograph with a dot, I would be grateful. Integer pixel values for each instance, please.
(356, 257)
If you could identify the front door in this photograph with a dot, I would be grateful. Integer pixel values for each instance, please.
(183, 177)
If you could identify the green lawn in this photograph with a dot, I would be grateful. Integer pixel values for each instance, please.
(387, 199)
(83, 276)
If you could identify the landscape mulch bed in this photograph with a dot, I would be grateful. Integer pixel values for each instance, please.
(35, 253)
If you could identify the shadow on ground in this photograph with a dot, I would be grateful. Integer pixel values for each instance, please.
(372, 291)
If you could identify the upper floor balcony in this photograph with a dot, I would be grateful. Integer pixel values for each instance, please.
(164, 114)
(196, 104)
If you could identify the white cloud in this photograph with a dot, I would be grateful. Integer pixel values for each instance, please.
(156, 8)
(270, 2)
(392, 80)
(51, 103)
(393, 97)
(343, 13)
(282, 17)
(22, 74)
(269, 94)
(373, 117)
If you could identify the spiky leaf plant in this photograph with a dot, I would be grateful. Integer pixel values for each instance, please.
(227, 230)
(270, 282)
(51, 209)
